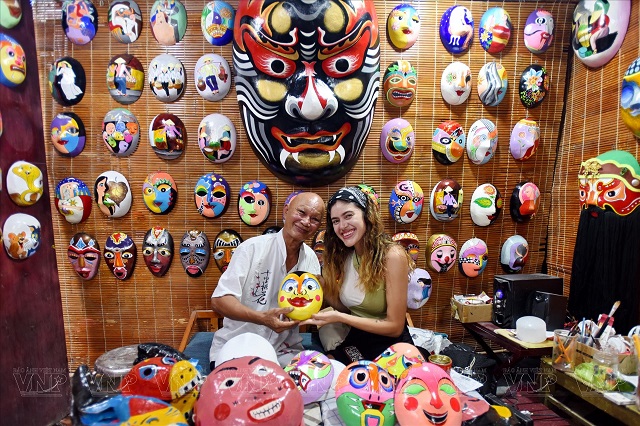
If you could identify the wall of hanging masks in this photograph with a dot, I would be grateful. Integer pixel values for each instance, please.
(171, 140)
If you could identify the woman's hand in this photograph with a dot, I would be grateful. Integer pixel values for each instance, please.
(324, 318)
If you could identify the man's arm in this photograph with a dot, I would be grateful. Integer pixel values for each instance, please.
(230, 307)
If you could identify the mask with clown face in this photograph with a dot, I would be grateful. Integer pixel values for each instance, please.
(538, 31)
(400, 83)
(302, 292)
(456, 29)
(398, 358)
(79, 21)
(21, 235)
(486, 205)
(482, 141)
(249, 390)
(224, 246)
(13, 62)
(212, 195)
(159, 192)
(494, 31)
(318, 245)
(312, 372)
(68, 134)
(610, 181)
(157, 250)
(84, 255)
(397, 140)
(120, 255)
(442, 252)
(364, 395)
(167, 135)
(448, 142)
(403, 26)
(446, 200)
(125, 20)
(492, 83)
(24, 183)
(405, 202)
(473, 257)
(455, 84)
(514, 254)
(121, 132)
(410, 242)
(524, 140)
(419, 289)
(525, 200)
(168, 21)
(426, 395)
(534, 85)
(164, 378)
(67, 81)
(216, 22)
(254, 203)
(307, 104)
(73, 200)
(630, 98)
(217, 138)
(194, 252)
(10, 13)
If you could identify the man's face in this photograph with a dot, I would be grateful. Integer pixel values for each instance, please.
(303, 216)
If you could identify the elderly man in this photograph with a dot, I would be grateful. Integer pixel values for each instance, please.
(247, 291)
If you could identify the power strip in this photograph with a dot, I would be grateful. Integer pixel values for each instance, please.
(523, 419)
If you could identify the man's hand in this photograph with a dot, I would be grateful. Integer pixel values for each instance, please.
(276, 320)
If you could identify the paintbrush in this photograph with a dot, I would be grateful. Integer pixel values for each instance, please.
(605, 321)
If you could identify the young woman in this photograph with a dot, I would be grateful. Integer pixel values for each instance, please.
(365, 278)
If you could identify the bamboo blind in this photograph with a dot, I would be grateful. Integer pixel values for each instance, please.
(105, 313)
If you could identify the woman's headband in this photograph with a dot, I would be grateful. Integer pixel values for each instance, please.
(350, 194)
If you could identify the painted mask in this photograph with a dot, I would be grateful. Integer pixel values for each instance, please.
(630, 98)
(224, 246)
(486, 204)
(514, 254)
(167, 135)
(525, 200)
(397, 358)
(371, 193)
(249, 390)
(610, 181)
(301, 291)
(120, 255)
(495, 30)
(308, 104)
(492, 83)
(272, 230)
(10, 13)
(426, 395)
(442, 252)
(84, 255)
(164, 378)
(212, 76)
(113, 194)
(24, 183)
(288, 200)
(68, 134)
(410, 242)
(125, 20)
(168, 21)
(405, 202)
(212, 195)
(121, 132)
(599, 27)
(448, 142)
(216, 22)
(397, 140)
(159, 192)
(157, 250)
(73, 200)
(194, 252)
(67, 81)
(446, 200)
(166, 77)
(455, 84)
(79, 21)
(482, 141)
(318, 245)
(456, 29)
(534, 85)
(21, 235)
(217, 138)
(13, 62)
(125, 78)
(538, 31)
(403, 26)
(419, 289)
(364, 395)
(473, 257)
(525, 138)
(400, 83)
(312, 372)
(118, 409)
(254, 203)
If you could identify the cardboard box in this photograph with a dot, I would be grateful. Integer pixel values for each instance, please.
(627, 364)
(471, 313)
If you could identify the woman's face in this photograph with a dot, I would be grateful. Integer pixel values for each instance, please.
(348, 223)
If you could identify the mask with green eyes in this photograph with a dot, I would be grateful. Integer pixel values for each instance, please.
(157, 250)
(211, 195)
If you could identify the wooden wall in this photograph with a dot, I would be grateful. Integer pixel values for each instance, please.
(105, 313)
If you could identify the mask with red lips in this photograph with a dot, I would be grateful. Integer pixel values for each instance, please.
(84, 255)
(194, 252)
(223, 247)
(157, 250)
(120, 255)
